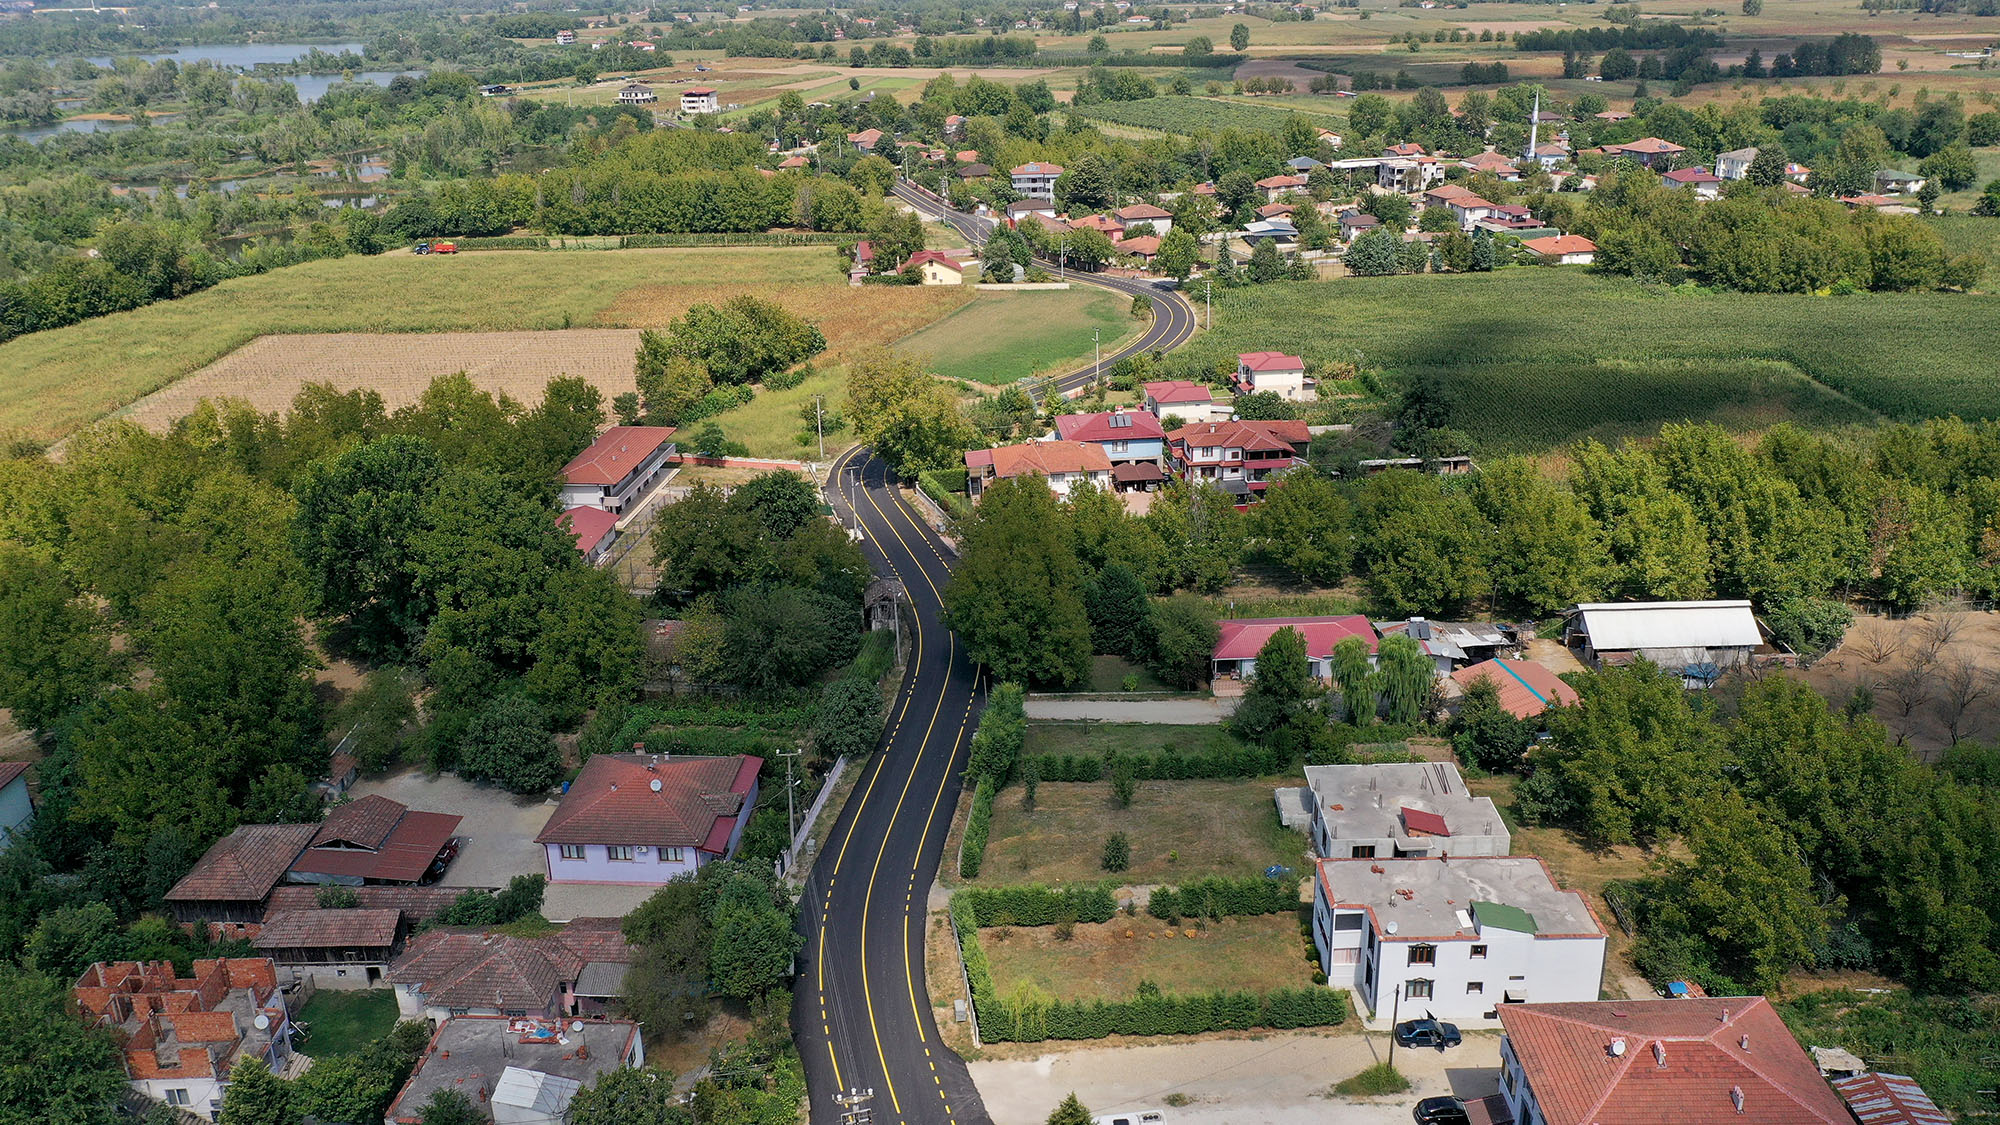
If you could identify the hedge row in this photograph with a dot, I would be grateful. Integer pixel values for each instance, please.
(509, 242)
(1225, 898)
(972, 849)
(1169, 765)
(764, 238)
(1037, 905)
(1032, 1016)
(947, 487)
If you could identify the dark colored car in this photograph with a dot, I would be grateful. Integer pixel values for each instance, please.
(1441, 1111)
(1427, 1032)
(444, 857)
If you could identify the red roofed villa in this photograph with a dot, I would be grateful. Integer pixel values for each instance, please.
(1649, 151)
(1660, 1062)
(618, 468)
(1563, 249)
(645, 818)
(1062, 464)
(936, 267)
(1273, 371)
(1240, 640)
(1125, 435)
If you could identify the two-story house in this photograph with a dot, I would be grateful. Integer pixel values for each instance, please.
(700, 99)
(619, 468)
(1735, 164)
(1652, 152)
(1124, 435)
(1192, 403)
(637, 93)
(180, 1037)
(1275, 186)
(1282, 374)
(1062, 464)
(1036, 179)
(1159, 218)
(1640, 1062)
(1401, 810)
(1239, 457)
(1457, 938)
(1704, 183)
(645, 818)
(867, 140)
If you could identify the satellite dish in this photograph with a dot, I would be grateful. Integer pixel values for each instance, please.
(1390, 925)
(262, 1022)
(576, 1025)
(654, 785)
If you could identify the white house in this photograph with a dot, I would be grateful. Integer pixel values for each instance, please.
(1563, 249)
(618, 468)
(565, 38)
(1161, 219)
(1274, 371)
(637, 93)
(936, 267)
(640, 819)
(700, 99)
(1704, 183)
(1063, 464)
(1192, 403)
(1400, 810)
(1036, 180)
(1455, 938)
(1734, 164)
(1239, 641)
(16, 810)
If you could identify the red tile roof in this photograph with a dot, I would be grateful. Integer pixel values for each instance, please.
(1692, 176)
(1408, 148)
(379, 839)
(1243, 638)
(1098, 223)
(1142, 213)
(793, 162)
(1270, 361)
(1264, 436)
(938, 256)
(244, 865)
(587, 524)
(1526, 688)
(11, 770)
(1145, 246)
(617, 453)
(1561, 244)
(1044, 457)
(1647, 145)
(1272, 182)
(416, 903)
(1421, 822)
(613, 802)
(461, 969)
(1137, 472)
(866, 138)
(1136, 425)
(1178, 391)
(698, 91)
(1037, 168)
(329, 929)
(1683, 1062)
(1272, 210)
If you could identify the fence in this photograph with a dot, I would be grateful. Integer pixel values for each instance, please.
(788, 862)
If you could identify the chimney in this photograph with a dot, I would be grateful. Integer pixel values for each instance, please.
(1736, 1096)
(1659, 1054)
(1744, 1042)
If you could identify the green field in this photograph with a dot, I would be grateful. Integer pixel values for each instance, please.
(1125, 738)
(1186, 115)
(1541, 357)
(344, 1022)
(1001, 337)
(1107, 960)
(1179, 830)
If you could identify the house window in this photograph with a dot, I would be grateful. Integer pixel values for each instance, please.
(572, 851)
(619, 852)
(1347, 921)
(1423, 955)
(177, 1097)
(1475, 987)
(515, 1013)
(1362, 851)
(1417, 990)
(673, 855)
(1119, 446)
(1479, 953)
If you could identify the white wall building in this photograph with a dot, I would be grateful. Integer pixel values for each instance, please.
(1036, 180)
(619, 468)
(1400, 810)
(700, 99)
(1454, 938)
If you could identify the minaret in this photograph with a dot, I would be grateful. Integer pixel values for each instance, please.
(1534, 124)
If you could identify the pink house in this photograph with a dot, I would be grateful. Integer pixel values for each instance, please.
(1241, 639)
(645, 818)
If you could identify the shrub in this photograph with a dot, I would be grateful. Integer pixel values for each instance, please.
(972, 849)
(1124, 782)
(1217, 897)
(1375, 1081)
(1117, 854)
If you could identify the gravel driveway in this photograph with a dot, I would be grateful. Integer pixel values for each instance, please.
(1277, 1079)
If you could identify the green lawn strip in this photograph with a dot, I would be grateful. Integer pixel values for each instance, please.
(1108, 960)
(343, 1023)
(1107, 674)
(1179, 830)
(1540, 356)
(1001, 337)
(1124, 738)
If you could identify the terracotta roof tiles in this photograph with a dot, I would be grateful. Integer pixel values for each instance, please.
(244, 865)
(612, 801)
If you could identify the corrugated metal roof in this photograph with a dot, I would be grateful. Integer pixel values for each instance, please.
(547, 1094)
(1889, 1099)
(1615, 627)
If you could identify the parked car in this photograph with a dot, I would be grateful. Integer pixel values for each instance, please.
(444, 857)
(1139, 1117)
(1441, 1111)
(1427, 1032)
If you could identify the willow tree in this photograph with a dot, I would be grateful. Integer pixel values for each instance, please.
(1351, 674)
(1405, 677)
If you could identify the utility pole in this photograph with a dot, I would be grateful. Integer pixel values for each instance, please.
(1097, 363)
(819, 423)
(854, 1106)
(1395, 1017)
(791, 813)
(1207, 299)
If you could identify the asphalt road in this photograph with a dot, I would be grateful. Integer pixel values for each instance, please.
(861, 1009)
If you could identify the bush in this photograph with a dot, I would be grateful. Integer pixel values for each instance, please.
(1124, 782)
(1217, 897)
(947, 487)
(1117, 855)
(972, 849)
(1377, 1080)
(1036, 905)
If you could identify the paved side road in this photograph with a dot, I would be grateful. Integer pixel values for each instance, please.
(1277, 1079)
(1172, 712)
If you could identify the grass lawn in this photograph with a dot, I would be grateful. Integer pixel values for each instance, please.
(1107, 673)
(1107, 960)
(344, 1022)
(770, 423)
(1179, 830)
(1543, 357)
(1126, 738)
(1001, 337)
(62, 379)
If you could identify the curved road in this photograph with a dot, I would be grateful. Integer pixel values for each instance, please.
(861, 1008)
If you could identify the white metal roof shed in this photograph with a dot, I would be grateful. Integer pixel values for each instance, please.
(1621, 626)
(526, 1096)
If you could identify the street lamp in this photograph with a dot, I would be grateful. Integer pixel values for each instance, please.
(1097, 363)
